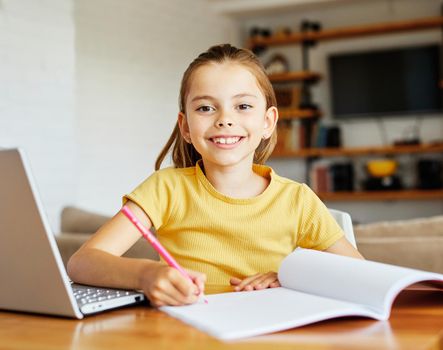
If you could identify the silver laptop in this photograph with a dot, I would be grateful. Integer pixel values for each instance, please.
(32, 275)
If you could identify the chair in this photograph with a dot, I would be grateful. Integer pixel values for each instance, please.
(345, 222)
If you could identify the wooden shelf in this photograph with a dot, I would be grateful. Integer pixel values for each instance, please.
(295, 113)
(293, 77)
(349, 32)
(382, 195)
(356, 151)
(292, 113)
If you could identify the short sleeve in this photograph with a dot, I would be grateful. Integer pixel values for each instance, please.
(319, 230)
(155, 197)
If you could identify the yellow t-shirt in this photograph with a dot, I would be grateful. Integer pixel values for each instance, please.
(228, 237)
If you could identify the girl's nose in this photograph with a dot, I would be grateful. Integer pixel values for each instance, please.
(224, 120)
(221, 123)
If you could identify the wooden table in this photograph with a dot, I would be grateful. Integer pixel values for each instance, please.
(416, 323)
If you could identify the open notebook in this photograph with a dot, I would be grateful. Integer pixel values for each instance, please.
(315, 286)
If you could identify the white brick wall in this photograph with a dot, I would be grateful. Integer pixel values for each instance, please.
(37, 93)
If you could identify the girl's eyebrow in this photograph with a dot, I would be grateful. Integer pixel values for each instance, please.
(244, 95)
(208, 97)
(203, 97)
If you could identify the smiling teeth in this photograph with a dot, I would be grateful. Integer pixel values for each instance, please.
(227, 140)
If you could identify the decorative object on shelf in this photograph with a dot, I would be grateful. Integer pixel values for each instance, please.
(320, 136)
(387, 183)
(282, 32)
(320, 176)
(381, 167)
(382, 175)
(258, 32)
(277, 64)
(333, 137)
(287, 96)
(286, 136)
(430, 174)
(308, 26)
(342, 176)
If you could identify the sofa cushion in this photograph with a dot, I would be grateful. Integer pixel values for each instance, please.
(431, 226)
(75, 220)
(77, 225)
(414, 243)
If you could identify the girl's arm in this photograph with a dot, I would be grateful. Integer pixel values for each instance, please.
(343, 247)
(99, 262)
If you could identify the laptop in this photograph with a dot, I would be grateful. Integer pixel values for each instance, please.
(32, 275)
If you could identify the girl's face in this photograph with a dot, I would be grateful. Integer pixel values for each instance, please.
(226, 116)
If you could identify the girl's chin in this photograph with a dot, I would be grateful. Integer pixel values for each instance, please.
(228, 161)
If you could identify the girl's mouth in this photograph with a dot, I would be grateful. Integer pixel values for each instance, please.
(231, 140)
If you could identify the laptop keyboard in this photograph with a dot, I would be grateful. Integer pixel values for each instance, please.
(88, 294)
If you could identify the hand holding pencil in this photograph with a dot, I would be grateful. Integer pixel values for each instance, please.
(190, 275)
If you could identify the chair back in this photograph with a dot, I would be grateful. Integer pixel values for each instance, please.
(345, 222)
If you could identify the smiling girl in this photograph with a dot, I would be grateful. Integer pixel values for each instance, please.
(225, 217)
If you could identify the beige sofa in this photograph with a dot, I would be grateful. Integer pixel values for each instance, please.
(77, 225)
(416, 243)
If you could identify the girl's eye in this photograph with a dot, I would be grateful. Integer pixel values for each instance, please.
(244, 106)
(205, 109)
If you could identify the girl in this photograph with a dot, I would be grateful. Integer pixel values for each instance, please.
(225, 217)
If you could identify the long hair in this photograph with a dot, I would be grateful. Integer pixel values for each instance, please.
(184, 154)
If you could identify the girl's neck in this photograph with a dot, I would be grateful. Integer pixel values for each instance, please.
(237, 181)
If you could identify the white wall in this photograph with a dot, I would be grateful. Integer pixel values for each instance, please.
(365, 131)
(90, 89)
(130, 59)
(37, 108)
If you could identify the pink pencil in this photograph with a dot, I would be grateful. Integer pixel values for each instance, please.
(155, 243)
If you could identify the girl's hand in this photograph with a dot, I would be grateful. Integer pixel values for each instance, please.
(165, 285)
(258, 281)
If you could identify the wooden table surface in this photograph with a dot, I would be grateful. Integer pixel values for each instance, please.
(416, 323)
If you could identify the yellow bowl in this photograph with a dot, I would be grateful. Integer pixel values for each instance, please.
(381, 167)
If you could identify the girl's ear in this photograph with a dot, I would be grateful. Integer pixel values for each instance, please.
(271, 118)
(184, 128)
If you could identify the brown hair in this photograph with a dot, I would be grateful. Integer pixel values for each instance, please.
(184, 154)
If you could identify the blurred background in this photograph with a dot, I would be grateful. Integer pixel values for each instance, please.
(89, 88)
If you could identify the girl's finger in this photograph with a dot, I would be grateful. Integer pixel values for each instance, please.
(244, 283)
(260, 281)
(199, 279)
(266, 281)
(162, 296)
(165, 299)
(178, 287)
(184, 290)
(234, 281)
(275, 284)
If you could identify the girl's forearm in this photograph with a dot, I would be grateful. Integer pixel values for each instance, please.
(96, 267)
